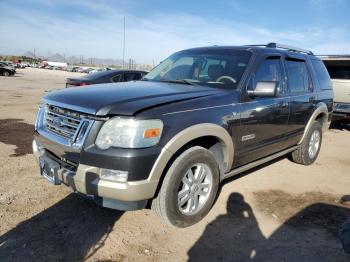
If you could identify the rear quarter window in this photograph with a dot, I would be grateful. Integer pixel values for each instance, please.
(322, 75)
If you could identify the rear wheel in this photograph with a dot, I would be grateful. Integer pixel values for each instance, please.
(189, 188)
(308, 151)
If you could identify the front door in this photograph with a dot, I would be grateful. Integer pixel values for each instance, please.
(264, 120)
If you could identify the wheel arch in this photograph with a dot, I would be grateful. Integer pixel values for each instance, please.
(321, 113)
(195, 135)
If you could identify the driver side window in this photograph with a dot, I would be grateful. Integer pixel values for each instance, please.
(269, 70)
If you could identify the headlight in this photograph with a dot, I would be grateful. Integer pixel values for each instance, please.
(39, 116)
(129, 133)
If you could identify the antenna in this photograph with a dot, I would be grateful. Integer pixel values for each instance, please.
(124, 44)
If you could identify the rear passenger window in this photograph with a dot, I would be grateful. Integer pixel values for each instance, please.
(321, 74)
(298, 76)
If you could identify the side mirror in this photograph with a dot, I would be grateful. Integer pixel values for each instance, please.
(264, 89)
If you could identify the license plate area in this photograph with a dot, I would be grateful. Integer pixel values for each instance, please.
(49, 170)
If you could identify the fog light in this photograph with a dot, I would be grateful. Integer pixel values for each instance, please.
(113, 175)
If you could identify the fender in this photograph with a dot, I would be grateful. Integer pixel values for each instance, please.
(321, 108)
(187, 135)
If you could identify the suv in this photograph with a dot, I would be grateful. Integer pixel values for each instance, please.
(201, 116)
(338, 67)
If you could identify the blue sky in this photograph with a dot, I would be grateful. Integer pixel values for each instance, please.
(155, 29)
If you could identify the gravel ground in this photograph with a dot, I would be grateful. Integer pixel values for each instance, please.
(279, 212)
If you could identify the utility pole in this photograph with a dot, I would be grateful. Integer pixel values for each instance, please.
(124, 44)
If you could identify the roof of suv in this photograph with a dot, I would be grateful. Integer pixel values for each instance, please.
(272, 47)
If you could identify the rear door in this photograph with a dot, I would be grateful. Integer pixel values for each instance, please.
(264, 120)
(302, 95)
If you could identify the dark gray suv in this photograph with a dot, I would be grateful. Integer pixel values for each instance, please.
(201, 116)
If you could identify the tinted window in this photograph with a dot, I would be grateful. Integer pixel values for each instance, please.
(214, 67)
(116, 78)
(322, 75)
(269, 70)
(298, 76)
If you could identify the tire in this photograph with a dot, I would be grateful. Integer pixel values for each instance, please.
(5, 73)
(170, 203)
(344, 234)
(307, 152)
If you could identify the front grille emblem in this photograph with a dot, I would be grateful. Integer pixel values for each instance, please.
(58, 121)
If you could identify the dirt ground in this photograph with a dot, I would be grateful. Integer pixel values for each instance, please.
(279, 212)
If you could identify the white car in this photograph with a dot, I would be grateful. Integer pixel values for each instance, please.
(338, 67)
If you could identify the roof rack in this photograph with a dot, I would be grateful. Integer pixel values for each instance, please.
(331, 56)
(286, 47)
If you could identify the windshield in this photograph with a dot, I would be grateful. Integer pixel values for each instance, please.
(221, 68)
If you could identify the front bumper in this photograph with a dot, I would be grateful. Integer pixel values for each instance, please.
(86, 180)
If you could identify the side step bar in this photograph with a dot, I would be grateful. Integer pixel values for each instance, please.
(259, 162)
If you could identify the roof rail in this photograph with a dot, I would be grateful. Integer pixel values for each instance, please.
(286, 47)
(333, 55)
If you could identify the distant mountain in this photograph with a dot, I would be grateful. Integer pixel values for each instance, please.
(29, 54)
(79, 60)
(56, 58)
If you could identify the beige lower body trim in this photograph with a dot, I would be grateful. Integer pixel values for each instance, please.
(321, 109)
(128, 191)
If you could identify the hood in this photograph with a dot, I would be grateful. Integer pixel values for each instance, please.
(124, 98)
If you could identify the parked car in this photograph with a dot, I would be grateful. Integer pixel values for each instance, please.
(338, 67)
(96, 70)
(9, 64)
(108, 76)
(6, 70)
(203, 115)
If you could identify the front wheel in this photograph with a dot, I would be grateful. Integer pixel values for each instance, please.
(308, 151)
(189, 188)
(5, 73)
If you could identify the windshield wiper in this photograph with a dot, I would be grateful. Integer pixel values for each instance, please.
(180, 81)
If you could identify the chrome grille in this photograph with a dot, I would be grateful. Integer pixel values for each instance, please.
(62, 122)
